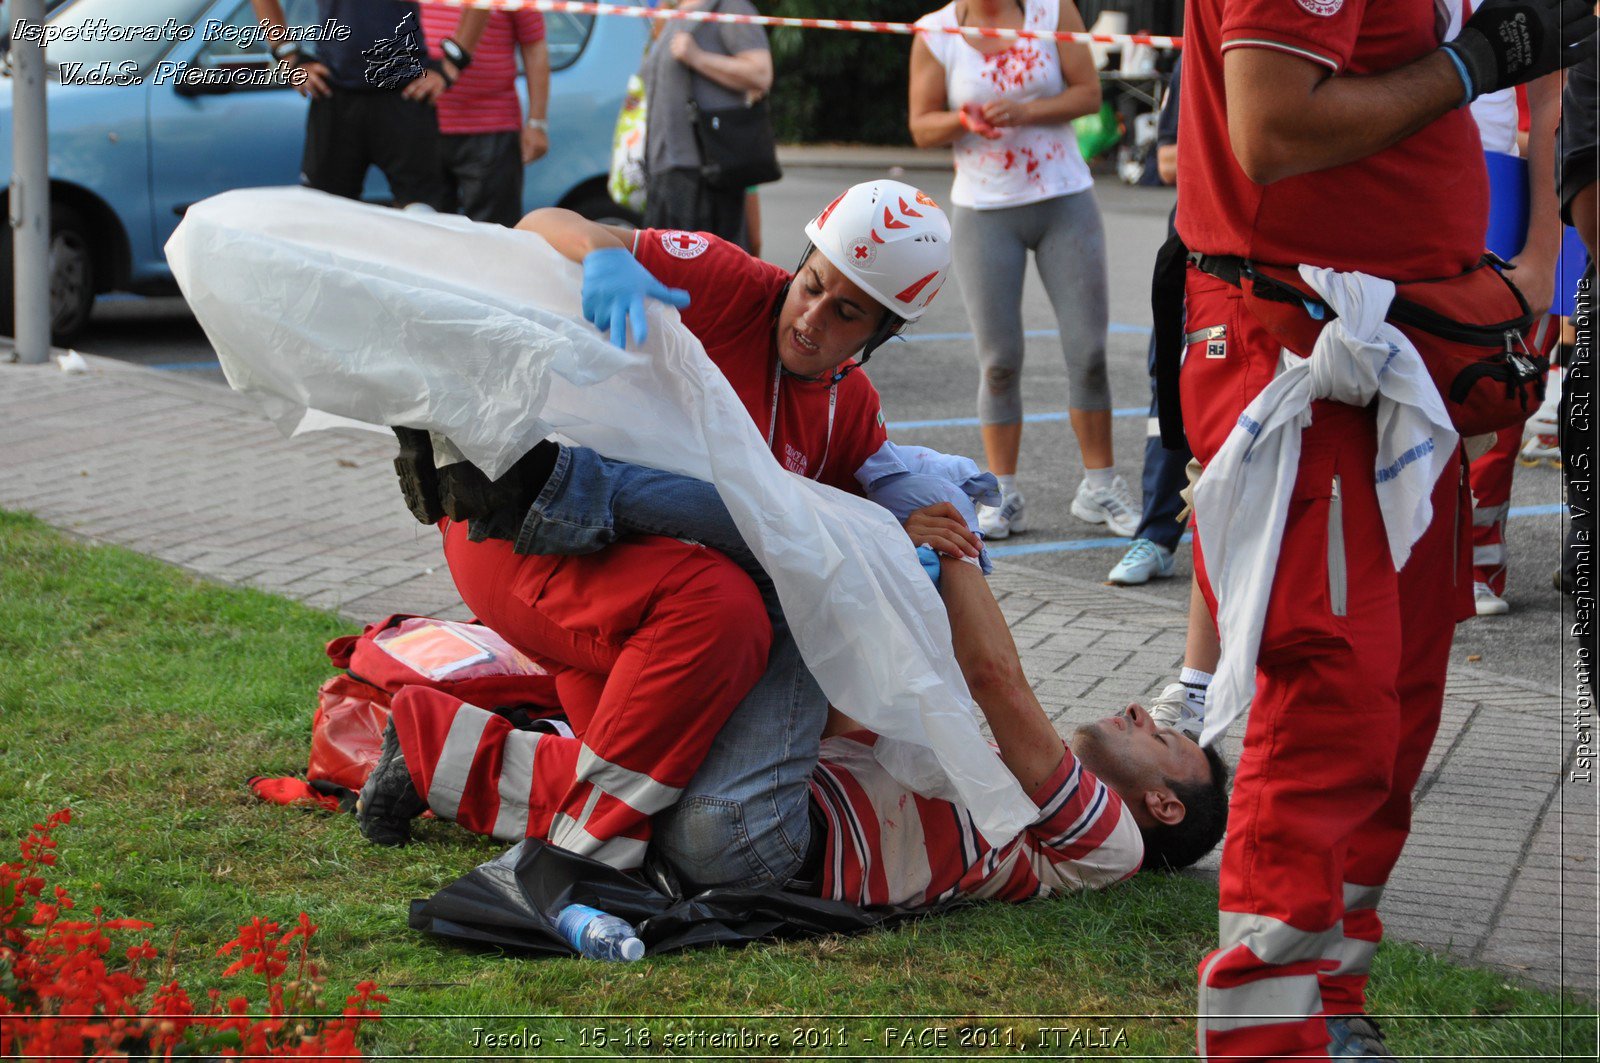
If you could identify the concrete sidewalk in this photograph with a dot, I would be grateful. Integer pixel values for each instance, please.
(1501, 869)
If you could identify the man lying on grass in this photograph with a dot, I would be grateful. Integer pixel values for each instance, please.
(1122, 795)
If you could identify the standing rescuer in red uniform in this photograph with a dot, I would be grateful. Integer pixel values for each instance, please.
(1333, 133)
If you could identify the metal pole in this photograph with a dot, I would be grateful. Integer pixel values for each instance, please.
(30, 188)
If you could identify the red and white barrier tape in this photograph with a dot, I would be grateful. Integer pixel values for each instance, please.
(577, 7)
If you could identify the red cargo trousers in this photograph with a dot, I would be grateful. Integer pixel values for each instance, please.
(652, 642)
(1349, 688)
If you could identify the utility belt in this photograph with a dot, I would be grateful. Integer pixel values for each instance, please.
(1485, 373)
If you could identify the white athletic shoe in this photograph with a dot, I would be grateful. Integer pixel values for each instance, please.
(1542, 442)
(1143, 562)
(1173, 708)
(1488, 602)
(1111, 506)
(1010, 517)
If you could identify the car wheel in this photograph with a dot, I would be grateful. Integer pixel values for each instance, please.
(597, 206)
(71, 275)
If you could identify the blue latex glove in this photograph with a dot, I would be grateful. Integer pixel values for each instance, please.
(615, 287)
(930, 562)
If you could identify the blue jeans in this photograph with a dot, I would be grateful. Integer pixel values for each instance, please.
(1165, 476)
(744, 821)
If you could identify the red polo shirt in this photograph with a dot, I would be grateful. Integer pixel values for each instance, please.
(733, 302)
(1416, 210)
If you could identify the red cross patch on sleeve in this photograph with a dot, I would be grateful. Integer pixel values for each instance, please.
(680, 244)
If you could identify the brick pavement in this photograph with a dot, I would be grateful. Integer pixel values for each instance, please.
(1501, 869)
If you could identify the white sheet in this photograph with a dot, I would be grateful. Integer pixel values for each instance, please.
(1242, 500)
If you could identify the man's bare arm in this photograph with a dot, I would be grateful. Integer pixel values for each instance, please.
(1029, 744)
(1288, 116)
(574, 235)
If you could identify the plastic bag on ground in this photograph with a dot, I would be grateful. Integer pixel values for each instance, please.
(316, 303)
(511, 902)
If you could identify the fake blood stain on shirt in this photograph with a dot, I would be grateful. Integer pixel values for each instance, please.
(1012, 68)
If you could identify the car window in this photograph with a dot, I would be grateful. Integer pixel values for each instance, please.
(235, 38)
(566, 34)
(117, 32)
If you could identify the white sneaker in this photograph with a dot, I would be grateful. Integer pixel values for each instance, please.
(1010, 517)
(1111, 506)
(1144, 561)
(1488, 602)
(1173, 708)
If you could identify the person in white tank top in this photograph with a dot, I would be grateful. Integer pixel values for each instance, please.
(1006, 108)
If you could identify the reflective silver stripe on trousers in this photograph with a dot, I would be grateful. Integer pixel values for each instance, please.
(568, 832)
(1493, 554)
(633, 788)
(1263, 1003)
(1488, 517)
(516, 784)
(1270, 1000)
(1275, 941)
(622, 853)
(454, 763)
(1355, 954)
(1357, 896)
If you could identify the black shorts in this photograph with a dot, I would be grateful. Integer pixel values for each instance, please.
(349, 131)
(483, 176)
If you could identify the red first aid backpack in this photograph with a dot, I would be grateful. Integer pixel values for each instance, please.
(466, 660)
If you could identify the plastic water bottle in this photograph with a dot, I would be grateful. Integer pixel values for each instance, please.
(599, 936)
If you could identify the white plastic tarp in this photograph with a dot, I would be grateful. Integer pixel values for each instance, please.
(316, 303)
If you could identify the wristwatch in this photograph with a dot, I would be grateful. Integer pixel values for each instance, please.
(285, 51)
(459, 56)
(542, 125)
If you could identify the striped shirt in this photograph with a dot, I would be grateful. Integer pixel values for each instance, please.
(484, 98)
(887, 844)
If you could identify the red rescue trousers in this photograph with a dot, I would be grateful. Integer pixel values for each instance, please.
(652, 642)
(1349, 688)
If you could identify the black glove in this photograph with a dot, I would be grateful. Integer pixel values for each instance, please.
(1508, 42)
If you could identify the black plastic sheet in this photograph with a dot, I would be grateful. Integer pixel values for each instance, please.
(511, 903)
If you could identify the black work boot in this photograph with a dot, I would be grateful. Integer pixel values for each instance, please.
(419, 481)
(389, 801)
(467, 494)
(1356, 1037)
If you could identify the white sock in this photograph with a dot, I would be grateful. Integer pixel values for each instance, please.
(1008, 485)
(1195, 684)
(1100, 479)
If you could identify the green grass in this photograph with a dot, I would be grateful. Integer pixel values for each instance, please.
(143, 698)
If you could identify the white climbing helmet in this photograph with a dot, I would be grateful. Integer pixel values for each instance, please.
(892, 240)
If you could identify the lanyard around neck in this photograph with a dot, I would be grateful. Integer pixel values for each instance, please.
(772, 420)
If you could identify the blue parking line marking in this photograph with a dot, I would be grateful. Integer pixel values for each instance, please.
(1537, 511)
(1019, 549)
(1064, 546)
(1116, 327)
(1027, 418)
(185, 367)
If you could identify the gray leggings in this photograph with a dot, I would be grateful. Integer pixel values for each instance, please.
(1068, 243)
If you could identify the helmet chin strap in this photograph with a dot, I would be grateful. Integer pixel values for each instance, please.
(891, 324)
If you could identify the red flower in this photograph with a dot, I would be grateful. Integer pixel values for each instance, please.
(65, 1001)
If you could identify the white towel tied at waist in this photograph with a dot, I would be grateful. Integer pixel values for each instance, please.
(1242, 499)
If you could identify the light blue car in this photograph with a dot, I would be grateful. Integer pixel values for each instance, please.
(127, 160)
